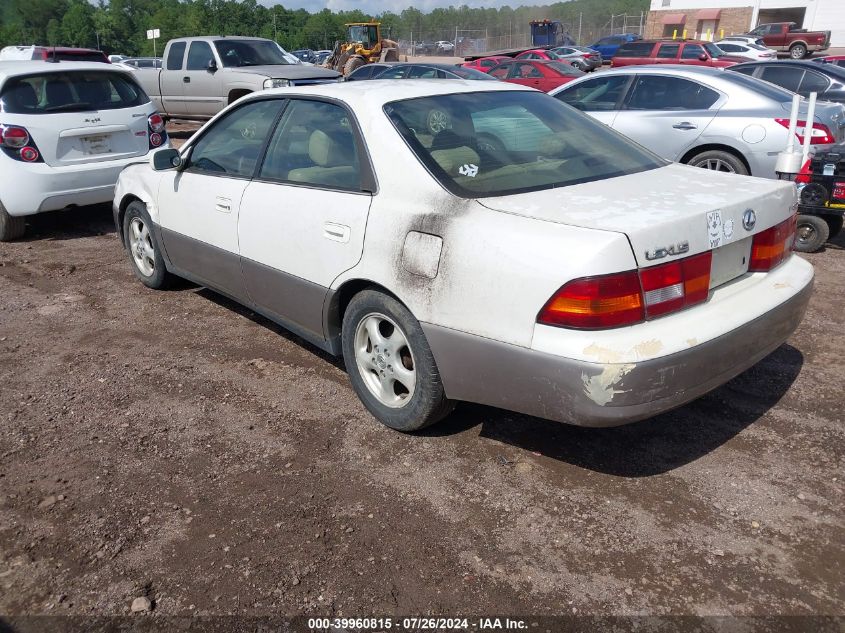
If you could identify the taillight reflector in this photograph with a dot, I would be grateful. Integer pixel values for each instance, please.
(593, 303)
(29, 154)
(155, 139)
(770, 247)
(620, 299)
(821, 134)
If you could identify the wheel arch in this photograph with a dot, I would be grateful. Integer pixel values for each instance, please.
(337, 302)
(121, 213)
(237, 93)
(709, 147)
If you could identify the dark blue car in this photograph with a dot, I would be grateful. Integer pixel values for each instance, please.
(608, 46)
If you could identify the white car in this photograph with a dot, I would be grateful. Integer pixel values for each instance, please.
(581, 278)
(67, 129)
(745, 39)
(749, 50)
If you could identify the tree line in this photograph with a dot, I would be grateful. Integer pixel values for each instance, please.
(120, 26)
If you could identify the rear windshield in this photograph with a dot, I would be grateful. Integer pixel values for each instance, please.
(237, 53)
(483, 144)
(76, 57)
(71, 91)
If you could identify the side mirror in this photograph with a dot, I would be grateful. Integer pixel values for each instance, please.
(166, 159)
(212, 66)
(703, 57)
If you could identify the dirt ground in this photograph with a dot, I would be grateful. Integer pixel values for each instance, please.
(175, 446)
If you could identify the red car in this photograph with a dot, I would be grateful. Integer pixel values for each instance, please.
(836, 60)
(684, 52)
(486, 64)
(541, 74)
(538, 53)
(65, 54)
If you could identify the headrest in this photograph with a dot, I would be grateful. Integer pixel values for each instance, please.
(330, 149)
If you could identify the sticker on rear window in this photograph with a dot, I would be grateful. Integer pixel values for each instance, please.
(714, 228)
(468, 170)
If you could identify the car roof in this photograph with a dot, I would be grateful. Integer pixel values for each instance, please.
(664, 69)
(375, 93)
(830, 69)
(428, 65)
(14, 68)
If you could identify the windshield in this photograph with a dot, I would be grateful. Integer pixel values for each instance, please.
(237, 53)
(71, 91)
(482, 144)
(714, 50)
(365, 34)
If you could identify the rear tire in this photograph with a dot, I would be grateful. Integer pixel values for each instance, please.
(12, 227)
(811, 233)
(797, 51)
(390, 364)
(143, 248)
(718, 160)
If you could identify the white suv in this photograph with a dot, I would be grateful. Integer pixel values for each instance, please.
(67, 130)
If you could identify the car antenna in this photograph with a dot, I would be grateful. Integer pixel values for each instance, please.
(52, 59)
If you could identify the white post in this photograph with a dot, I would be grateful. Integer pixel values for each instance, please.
(793, 123)
(580, 20)
(155, 50)
(808, 127)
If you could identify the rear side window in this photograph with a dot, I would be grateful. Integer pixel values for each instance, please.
(783, 76)
(71, 91)
(669, 93)
(813, 82)
(175, 56)
(635, 49)
(76, 57)
(692, 51)
(668, 51)
(731, 48)
(595, 95)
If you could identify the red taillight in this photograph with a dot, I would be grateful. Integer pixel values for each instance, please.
(620, 299)
(770, 247)
(13, 137)
(29, 154)
(156, 123)
(821, 134)
(594, 303)
(155, 139)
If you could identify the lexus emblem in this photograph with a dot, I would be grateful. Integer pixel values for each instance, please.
(749, 219)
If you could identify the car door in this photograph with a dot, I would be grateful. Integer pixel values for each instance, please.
(666, 114)
(526, 74)
(667, 53)
(302, 220)
(170, 80)
(691, 55)
(203, 94)
(601, 97)
(199, 205)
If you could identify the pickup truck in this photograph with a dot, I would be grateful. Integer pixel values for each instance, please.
(786, 37)
(202, 75)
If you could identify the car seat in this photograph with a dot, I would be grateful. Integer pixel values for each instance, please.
(334, 158)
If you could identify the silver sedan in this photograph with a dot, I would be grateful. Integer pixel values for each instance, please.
(701, 116)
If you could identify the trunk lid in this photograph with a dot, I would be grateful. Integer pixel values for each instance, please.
(667, 213)
(827, 113)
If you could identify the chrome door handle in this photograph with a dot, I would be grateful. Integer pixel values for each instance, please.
(223, 205)
(685, 126)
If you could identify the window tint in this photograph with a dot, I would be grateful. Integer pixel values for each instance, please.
(692, 51)
(314, 145)
(175, 56)
(501, 72)
(422, 72)
(668, 51)
(232, 145)
(731, 48)
(567, 70)
(745, 70)
(71, 91)
(394, 73)
(526, 71)
(238, 53)
(499, 143)
(669, 93)
(595, 95)
(199, 55)
(784, 76)
(813, 82)
(635, 49)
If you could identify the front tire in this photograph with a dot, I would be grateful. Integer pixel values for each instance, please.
(811, 233)
(12, 227)
(797, 51)
(390, 364)
(352, 64)
(143, 248)
(717, 160)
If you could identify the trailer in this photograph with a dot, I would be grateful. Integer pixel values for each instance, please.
(821, 201)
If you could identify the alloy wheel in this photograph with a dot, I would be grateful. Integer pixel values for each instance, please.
(141, 247)
(385, 360)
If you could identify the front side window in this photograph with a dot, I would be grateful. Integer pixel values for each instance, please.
(314, 145)
(601, 94)
(232, 146)
(500, 143)
(239, 53)
(692, 51)
(175, 56)
(71, 91)
(635, 49)
(669, 93)
(199, 56)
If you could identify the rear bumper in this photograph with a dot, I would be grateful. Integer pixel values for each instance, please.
(597, 394)
(28, 189)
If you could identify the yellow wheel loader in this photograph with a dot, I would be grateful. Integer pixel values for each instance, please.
(363, 45)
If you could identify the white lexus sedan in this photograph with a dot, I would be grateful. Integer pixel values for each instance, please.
(523, 256)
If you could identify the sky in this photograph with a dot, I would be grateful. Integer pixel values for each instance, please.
(396, 6)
